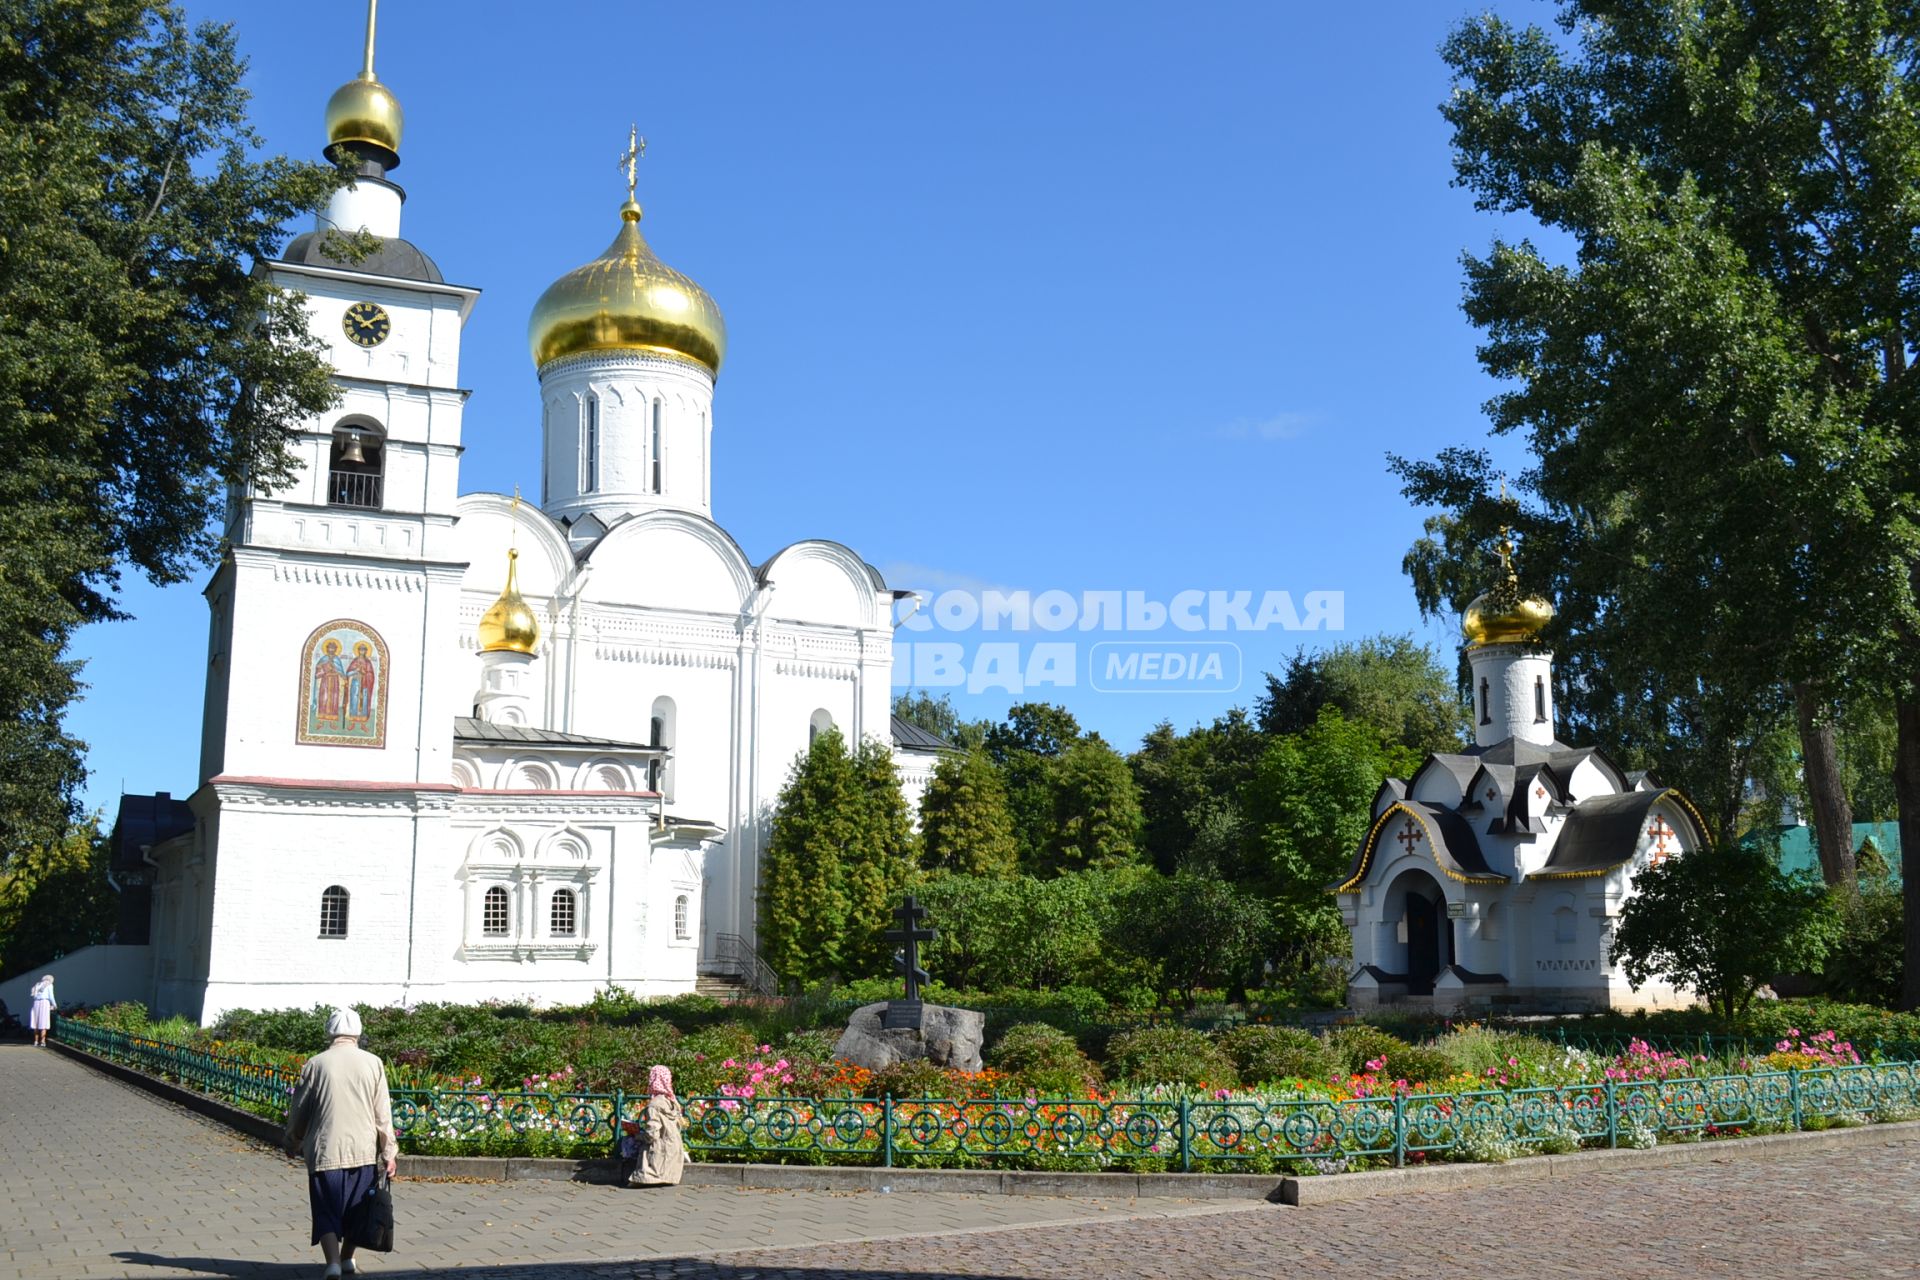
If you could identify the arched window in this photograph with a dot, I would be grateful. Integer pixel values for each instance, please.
(494, 916)
(659, 466)
(590, 447)
(1490, 923)
(680, 918)
(1486, 716)
(821, 722)
(562, 918)
(1564, 924)
(355, 464)
(1539, 699)
(333, 912)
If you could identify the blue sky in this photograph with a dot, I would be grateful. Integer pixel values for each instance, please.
(1086, 297)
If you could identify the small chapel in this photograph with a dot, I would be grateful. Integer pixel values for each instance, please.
(1491, 880)
(465, 747)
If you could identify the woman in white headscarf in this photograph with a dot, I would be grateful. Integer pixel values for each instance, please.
(340, 1119)
(40, 1012)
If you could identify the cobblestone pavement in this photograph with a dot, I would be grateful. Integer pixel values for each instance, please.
(97, 1179)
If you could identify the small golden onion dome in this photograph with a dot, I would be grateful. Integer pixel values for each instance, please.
(509, 626)
(365, 111)
(1505, 615)
(627, 300)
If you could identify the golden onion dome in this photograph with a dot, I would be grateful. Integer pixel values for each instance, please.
(627, 300)
(1505, 614)
(509, 626)
(363, 112)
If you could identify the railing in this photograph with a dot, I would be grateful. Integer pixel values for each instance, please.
(738, 956)
(353, 489)
(1162, 1130)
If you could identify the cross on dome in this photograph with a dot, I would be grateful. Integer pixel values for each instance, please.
(630, 159)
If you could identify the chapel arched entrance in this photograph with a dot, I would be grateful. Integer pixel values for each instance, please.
(1423, 929)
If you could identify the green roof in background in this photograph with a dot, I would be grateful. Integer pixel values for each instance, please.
(1796, 845)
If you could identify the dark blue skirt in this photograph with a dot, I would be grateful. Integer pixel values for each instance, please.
(333, 1194)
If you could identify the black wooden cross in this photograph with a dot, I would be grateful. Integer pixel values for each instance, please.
(906, 962)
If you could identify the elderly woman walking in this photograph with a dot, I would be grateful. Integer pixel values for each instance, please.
(341, 1120)
(40, 1011)
(665, 1153)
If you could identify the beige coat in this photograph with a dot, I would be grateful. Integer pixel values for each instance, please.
(341, 1115)
(666, 1153)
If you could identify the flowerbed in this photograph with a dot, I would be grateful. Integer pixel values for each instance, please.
(1531, 1096)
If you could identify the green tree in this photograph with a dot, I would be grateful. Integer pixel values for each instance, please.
(1386, 681)
(1196, 930)
(1308, 806)
(54, 899)
(1096, 810)
(144, 366)
(1026, 747)
(1718, 387)
(880, 859)
(1190, 787)
(1720, 922)
(964, 823)
(804, 903)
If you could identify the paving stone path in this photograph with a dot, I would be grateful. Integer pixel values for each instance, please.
(98, 1179)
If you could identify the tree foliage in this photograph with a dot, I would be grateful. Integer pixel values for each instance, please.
(1720, 922)
(840, 853)
(964, 823)
(939, 717)
(1197, 931)
(54, 899)
(144, 368)
(1096, 810)
(1025, 932)
(1386, 681)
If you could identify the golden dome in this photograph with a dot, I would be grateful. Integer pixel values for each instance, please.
(365, 112)
(509, 626)
(627, 300)
(1505, 614)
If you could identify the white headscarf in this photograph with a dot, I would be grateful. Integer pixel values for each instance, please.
(344, 1022)
(43, 989)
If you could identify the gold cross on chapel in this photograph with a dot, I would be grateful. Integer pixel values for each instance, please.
(630, 158)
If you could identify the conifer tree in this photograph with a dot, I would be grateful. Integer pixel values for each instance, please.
(964, 823)
(803, 897)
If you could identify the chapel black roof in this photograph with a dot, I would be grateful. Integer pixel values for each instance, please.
(1603, 831)
(912, 737)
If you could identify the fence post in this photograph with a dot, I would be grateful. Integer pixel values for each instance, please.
(1186, 1136)
(1399, 1130)
(1613, 1118)
(886, 1131)
(619, 1108)
(1793, 1092)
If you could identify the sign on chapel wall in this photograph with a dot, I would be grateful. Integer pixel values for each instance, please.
(343, 686)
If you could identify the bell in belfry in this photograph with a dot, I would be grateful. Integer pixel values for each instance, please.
(352, 452)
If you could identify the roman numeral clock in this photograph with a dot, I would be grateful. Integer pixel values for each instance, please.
(366, 324)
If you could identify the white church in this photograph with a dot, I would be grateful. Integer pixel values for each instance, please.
(464, 747)
(1493, 878)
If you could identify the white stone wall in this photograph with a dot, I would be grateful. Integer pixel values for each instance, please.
(1510, 674)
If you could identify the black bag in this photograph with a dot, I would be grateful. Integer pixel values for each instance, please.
(371, 1224)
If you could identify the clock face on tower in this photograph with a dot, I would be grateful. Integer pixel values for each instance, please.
(366, 324)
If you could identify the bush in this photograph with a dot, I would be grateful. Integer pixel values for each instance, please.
(1045, 1059)
(1870, 962)
(1357, 1044)
(1169, 1055)
(918, 1078)
(129, 1018)
(1265, 1054)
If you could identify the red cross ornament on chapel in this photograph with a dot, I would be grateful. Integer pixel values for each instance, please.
(1409, 836)
(1661, 833)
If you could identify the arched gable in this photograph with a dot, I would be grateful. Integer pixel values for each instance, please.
(1441, 834)
(821, 581)
(670, 559)
(488, 525)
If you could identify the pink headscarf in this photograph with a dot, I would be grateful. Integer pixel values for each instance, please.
(660, 1080)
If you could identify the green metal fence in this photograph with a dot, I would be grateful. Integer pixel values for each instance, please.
(1153, 1132)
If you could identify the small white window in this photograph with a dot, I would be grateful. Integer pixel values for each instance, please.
(333, 912)
(680, 917)
(561, 919)
(493, 913)
(821, 722)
